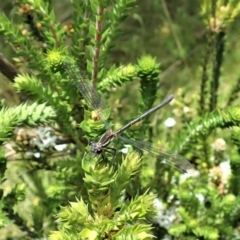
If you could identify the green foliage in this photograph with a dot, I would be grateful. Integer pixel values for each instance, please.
(46, 167)
(105, 186)
(24, 114)
(229, 117)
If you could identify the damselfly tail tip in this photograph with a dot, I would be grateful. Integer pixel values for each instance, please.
(185, 167)
(190, 170)
(169, 98)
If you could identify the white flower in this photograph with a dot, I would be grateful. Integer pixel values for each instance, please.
(186, 109)
(191, 174)
(219, 145)
(226, 171)
(44, 138)
(35, 154)
(164, 218)
(60, 147)
(158, 204)
(200, 197)
(170, 122)
(126, 148)
(221, 173)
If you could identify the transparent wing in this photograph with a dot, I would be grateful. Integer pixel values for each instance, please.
(86, 88)
(88, 91)
(160, 153)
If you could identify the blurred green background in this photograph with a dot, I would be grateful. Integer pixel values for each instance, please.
(170, 30)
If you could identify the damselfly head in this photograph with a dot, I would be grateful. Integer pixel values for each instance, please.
(95, 147)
